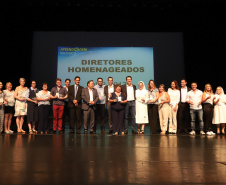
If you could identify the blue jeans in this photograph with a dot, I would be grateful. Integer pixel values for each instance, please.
(193, 114)
(130, 108)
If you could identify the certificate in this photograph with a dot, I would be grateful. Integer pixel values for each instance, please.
(119, 98)
(57, 94)
(151, 98)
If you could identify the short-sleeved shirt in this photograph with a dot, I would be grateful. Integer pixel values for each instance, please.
(152, 95)
(62, 93)
(118, 105)
(196, 98)
(43, 96)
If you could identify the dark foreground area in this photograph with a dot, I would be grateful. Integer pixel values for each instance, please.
(105, 159)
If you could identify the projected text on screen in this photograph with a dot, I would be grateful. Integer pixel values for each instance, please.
(118, 62)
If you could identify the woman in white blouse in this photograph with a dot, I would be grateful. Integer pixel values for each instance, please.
(9, 106)
(207, 100)
(43, 98)
(174, 94)
(141, 107)
(219, 115)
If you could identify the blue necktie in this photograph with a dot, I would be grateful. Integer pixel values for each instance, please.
(76, 89)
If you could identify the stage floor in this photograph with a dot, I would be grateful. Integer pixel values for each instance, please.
(105, 159)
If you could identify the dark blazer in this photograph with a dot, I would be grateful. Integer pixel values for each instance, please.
(71, 96)
(188, 89)
(124, 90)
(106, 92)
(86, 98)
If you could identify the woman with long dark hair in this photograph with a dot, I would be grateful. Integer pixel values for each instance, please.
(153, 94)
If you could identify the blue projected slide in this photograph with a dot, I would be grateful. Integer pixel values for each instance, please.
(118, 62)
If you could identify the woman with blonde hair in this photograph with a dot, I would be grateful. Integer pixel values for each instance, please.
(9, 106)
(207, 100)
(20, 105)
(219, 115)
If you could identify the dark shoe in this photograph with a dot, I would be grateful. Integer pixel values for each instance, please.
(78, 132)
(61, 132)
(103, 131)
(134, 132)
(126, 131)
(53, 132)
(110, 131)
(85, 132)
(92, 132)
(71, 131)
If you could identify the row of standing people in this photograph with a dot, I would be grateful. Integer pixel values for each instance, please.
(144, 106)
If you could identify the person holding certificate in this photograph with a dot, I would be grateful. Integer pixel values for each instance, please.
(9, 106)
(43, 98)
(194, 99)
(141, 107)
(1, 108)
(207, 100)
(153, 94)
(118, 102)
(58, 94)
(164, 108)
(20, 105)
(174, 94)
(100, 106)
(32, 107)
(219, 115)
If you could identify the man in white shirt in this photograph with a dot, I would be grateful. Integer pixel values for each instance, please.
(129, 90)
(108, 90)
(183, 108)
(194, 99)
(100, 106)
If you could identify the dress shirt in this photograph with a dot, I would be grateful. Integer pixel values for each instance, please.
(195, 97)
(184, 92)
(76, 90)
(130, 93)
(110, 90)
(90, 94)
(100, 91)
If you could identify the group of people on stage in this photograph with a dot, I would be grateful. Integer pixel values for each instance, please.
(153, 105)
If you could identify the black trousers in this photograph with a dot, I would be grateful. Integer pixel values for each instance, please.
(153, 117)
(117, 117)
(183, 116)
(75, 115)
(208, 116)
(43, 111)
(65, 115)
(100, 115)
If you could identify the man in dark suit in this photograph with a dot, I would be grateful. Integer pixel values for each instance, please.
(183, 109)
(129, 90)
(108, 89)
(90, 98)
(74, 105)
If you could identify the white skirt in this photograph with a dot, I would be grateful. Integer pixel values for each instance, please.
(219, 114)
(141, 113)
